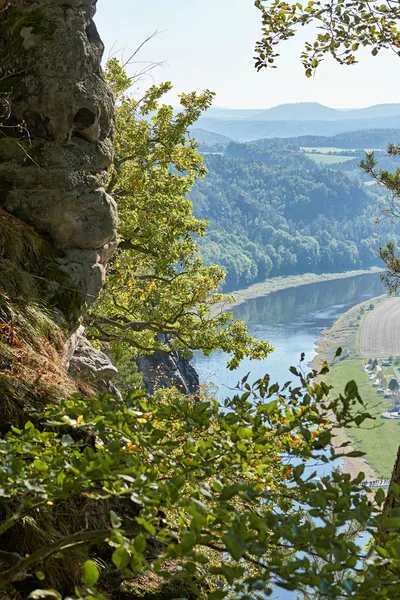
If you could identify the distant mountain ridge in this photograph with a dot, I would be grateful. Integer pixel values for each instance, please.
(304, 111)
(208, 137)
(246, 130)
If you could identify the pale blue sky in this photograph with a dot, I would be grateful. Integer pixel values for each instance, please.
(209, 44)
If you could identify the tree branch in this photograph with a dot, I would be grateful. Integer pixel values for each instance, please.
(70, 541)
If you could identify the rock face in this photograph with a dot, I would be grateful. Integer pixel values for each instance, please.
(91, 365)
(58, 126)
(165, 370)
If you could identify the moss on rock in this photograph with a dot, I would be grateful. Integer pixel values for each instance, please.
(153, 587)
(29, 269)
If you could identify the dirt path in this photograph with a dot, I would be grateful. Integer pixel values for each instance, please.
(352, 466)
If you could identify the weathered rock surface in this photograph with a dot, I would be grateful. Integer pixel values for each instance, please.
(165, 370)
(91, 365)
(58, 125)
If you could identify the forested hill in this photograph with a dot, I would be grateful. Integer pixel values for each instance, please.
(281, 213)
(301, 119)
(208, 137)
(367, 138)
(247, 130)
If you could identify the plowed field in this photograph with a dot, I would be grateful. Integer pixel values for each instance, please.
(380, 330)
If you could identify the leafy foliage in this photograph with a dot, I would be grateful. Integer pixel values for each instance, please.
(158, 293)
(390, 181)
(230, 490)
(343, 28)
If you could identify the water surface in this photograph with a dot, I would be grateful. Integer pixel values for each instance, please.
(292, 320)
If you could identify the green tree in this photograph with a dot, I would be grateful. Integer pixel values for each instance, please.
(222, 491)
(391, 182)
(393, 385)
(343, 27)
(158, 294)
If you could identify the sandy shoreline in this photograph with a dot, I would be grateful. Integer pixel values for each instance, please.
(343, 333)
(276, 284)
(352, 465)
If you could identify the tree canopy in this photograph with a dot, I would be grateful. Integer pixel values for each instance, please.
(229, 492)
(158, 294)
(343, 27)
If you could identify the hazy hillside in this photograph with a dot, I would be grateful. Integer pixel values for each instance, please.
(364, 139)
(276, 212)
(248, 130)
(208, 137)
(304, 111)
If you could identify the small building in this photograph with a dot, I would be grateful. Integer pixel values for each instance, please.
(391, 415)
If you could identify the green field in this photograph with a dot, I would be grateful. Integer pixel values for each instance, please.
(379, 438)
(329, 158)
(326, 149)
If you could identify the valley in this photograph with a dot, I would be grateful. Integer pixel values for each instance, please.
(294, 211)
(280, 208)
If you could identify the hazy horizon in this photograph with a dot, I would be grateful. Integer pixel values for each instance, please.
(212, 47)
(347, 108)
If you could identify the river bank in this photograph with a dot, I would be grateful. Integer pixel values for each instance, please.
(378, 438)
(291, 320)
(277, 284)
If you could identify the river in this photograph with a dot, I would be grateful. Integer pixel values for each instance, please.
(292, 320)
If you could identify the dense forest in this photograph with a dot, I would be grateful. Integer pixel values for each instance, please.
(364, 138)
(277, 212)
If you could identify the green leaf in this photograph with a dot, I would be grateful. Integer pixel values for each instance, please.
(187, 542)
(380, 496)
(218, 595)
(140, 543)
(244, 433)
(40, 465)
(90, 574)
(121, 558)
(147, 525)
(270, 408)
(325, 586)
(40, 575)
(355, 454)
(230, 491)
(66, 441)
(351, 389)
(298, 471)
(116, 521)
(234, 546)
(349, 585)
(391, 522)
